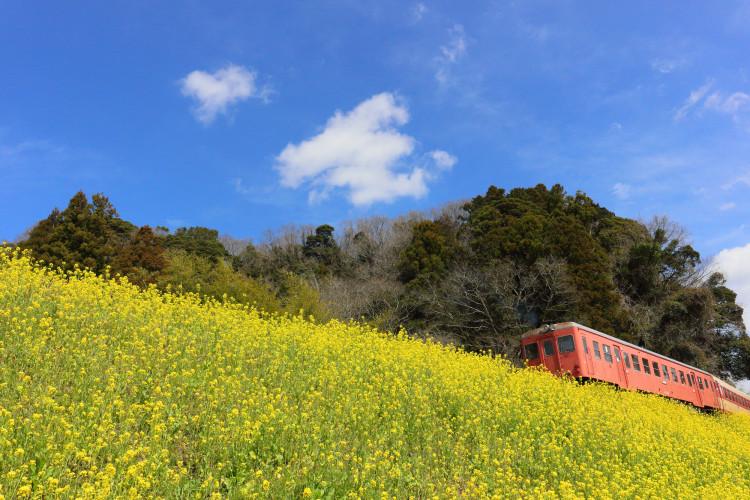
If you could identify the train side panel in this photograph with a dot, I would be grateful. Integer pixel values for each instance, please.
(570, 348)
(638, 369)
(731, 400)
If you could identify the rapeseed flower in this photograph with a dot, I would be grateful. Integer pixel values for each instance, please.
(111, 391)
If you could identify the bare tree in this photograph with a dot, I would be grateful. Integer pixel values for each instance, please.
(378, 300)
(488, 308)
(234, 246)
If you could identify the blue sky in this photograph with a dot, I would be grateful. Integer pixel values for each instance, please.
(247, 116)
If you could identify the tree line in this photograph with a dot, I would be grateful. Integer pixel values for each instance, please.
(477, 273)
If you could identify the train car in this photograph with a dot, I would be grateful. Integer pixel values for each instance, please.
(588, 354)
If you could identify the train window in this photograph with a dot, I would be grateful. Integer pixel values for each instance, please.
(626, 358)
(690, 382)
(531, 350)
(692, 376)
(665, 370)
(565, 344)
(700, 383)
(607, 353)
(585, 345)
(682, 377)
(636, 363)
(646, 368)
(674, 374)
(617, 354)
(549, 349)
(656, 369)
(596, 350)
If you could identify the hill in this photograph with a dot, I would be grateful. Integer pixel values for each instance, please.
(110, 390)
(475, 274)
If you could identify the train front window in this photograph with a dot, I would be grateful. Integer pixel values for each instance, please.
(636, 363)
(531, 350)
(646, 368)
(566, 344)
(596, 350)
(549, 349)
(607, 353)
(656, 369)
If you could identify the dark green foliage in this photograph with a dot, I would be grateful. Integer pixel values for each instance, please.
(525, 225)
(432, 249)
(199, 241)
(478, 276)
(322, 249)
(249, 262)
(87, 234)
(657, 267)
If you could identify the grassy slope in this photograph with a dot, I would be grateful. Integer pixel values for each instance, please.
(105, 390)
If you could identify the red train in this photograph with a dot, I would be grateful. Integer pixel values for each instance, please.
(570, 348)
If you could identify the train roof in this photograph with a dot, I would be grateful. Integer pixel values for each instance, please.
(570, 324)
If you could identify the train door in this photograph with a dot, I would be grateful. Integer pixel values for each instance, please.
(698, 397)
(622, 377)
(549, 351)
(586, 356)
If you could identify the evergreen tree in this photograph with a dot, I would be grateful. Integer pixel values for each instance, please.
(200, 241)
(321, 247)
(87, 234)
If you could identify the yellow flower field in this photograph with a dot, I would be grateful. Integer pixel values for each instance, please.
(108, 391)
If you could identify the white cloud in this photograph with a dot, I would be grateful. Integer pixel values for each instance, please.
(451, 52)
(215, 92)
(743, 179)
(734, 263)
(10, 153)
(418, 11)
(456, 47)
(362, 152)
(443, 160)
(727, 206)
(622, 191)
(731, 105)
(693, 99)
